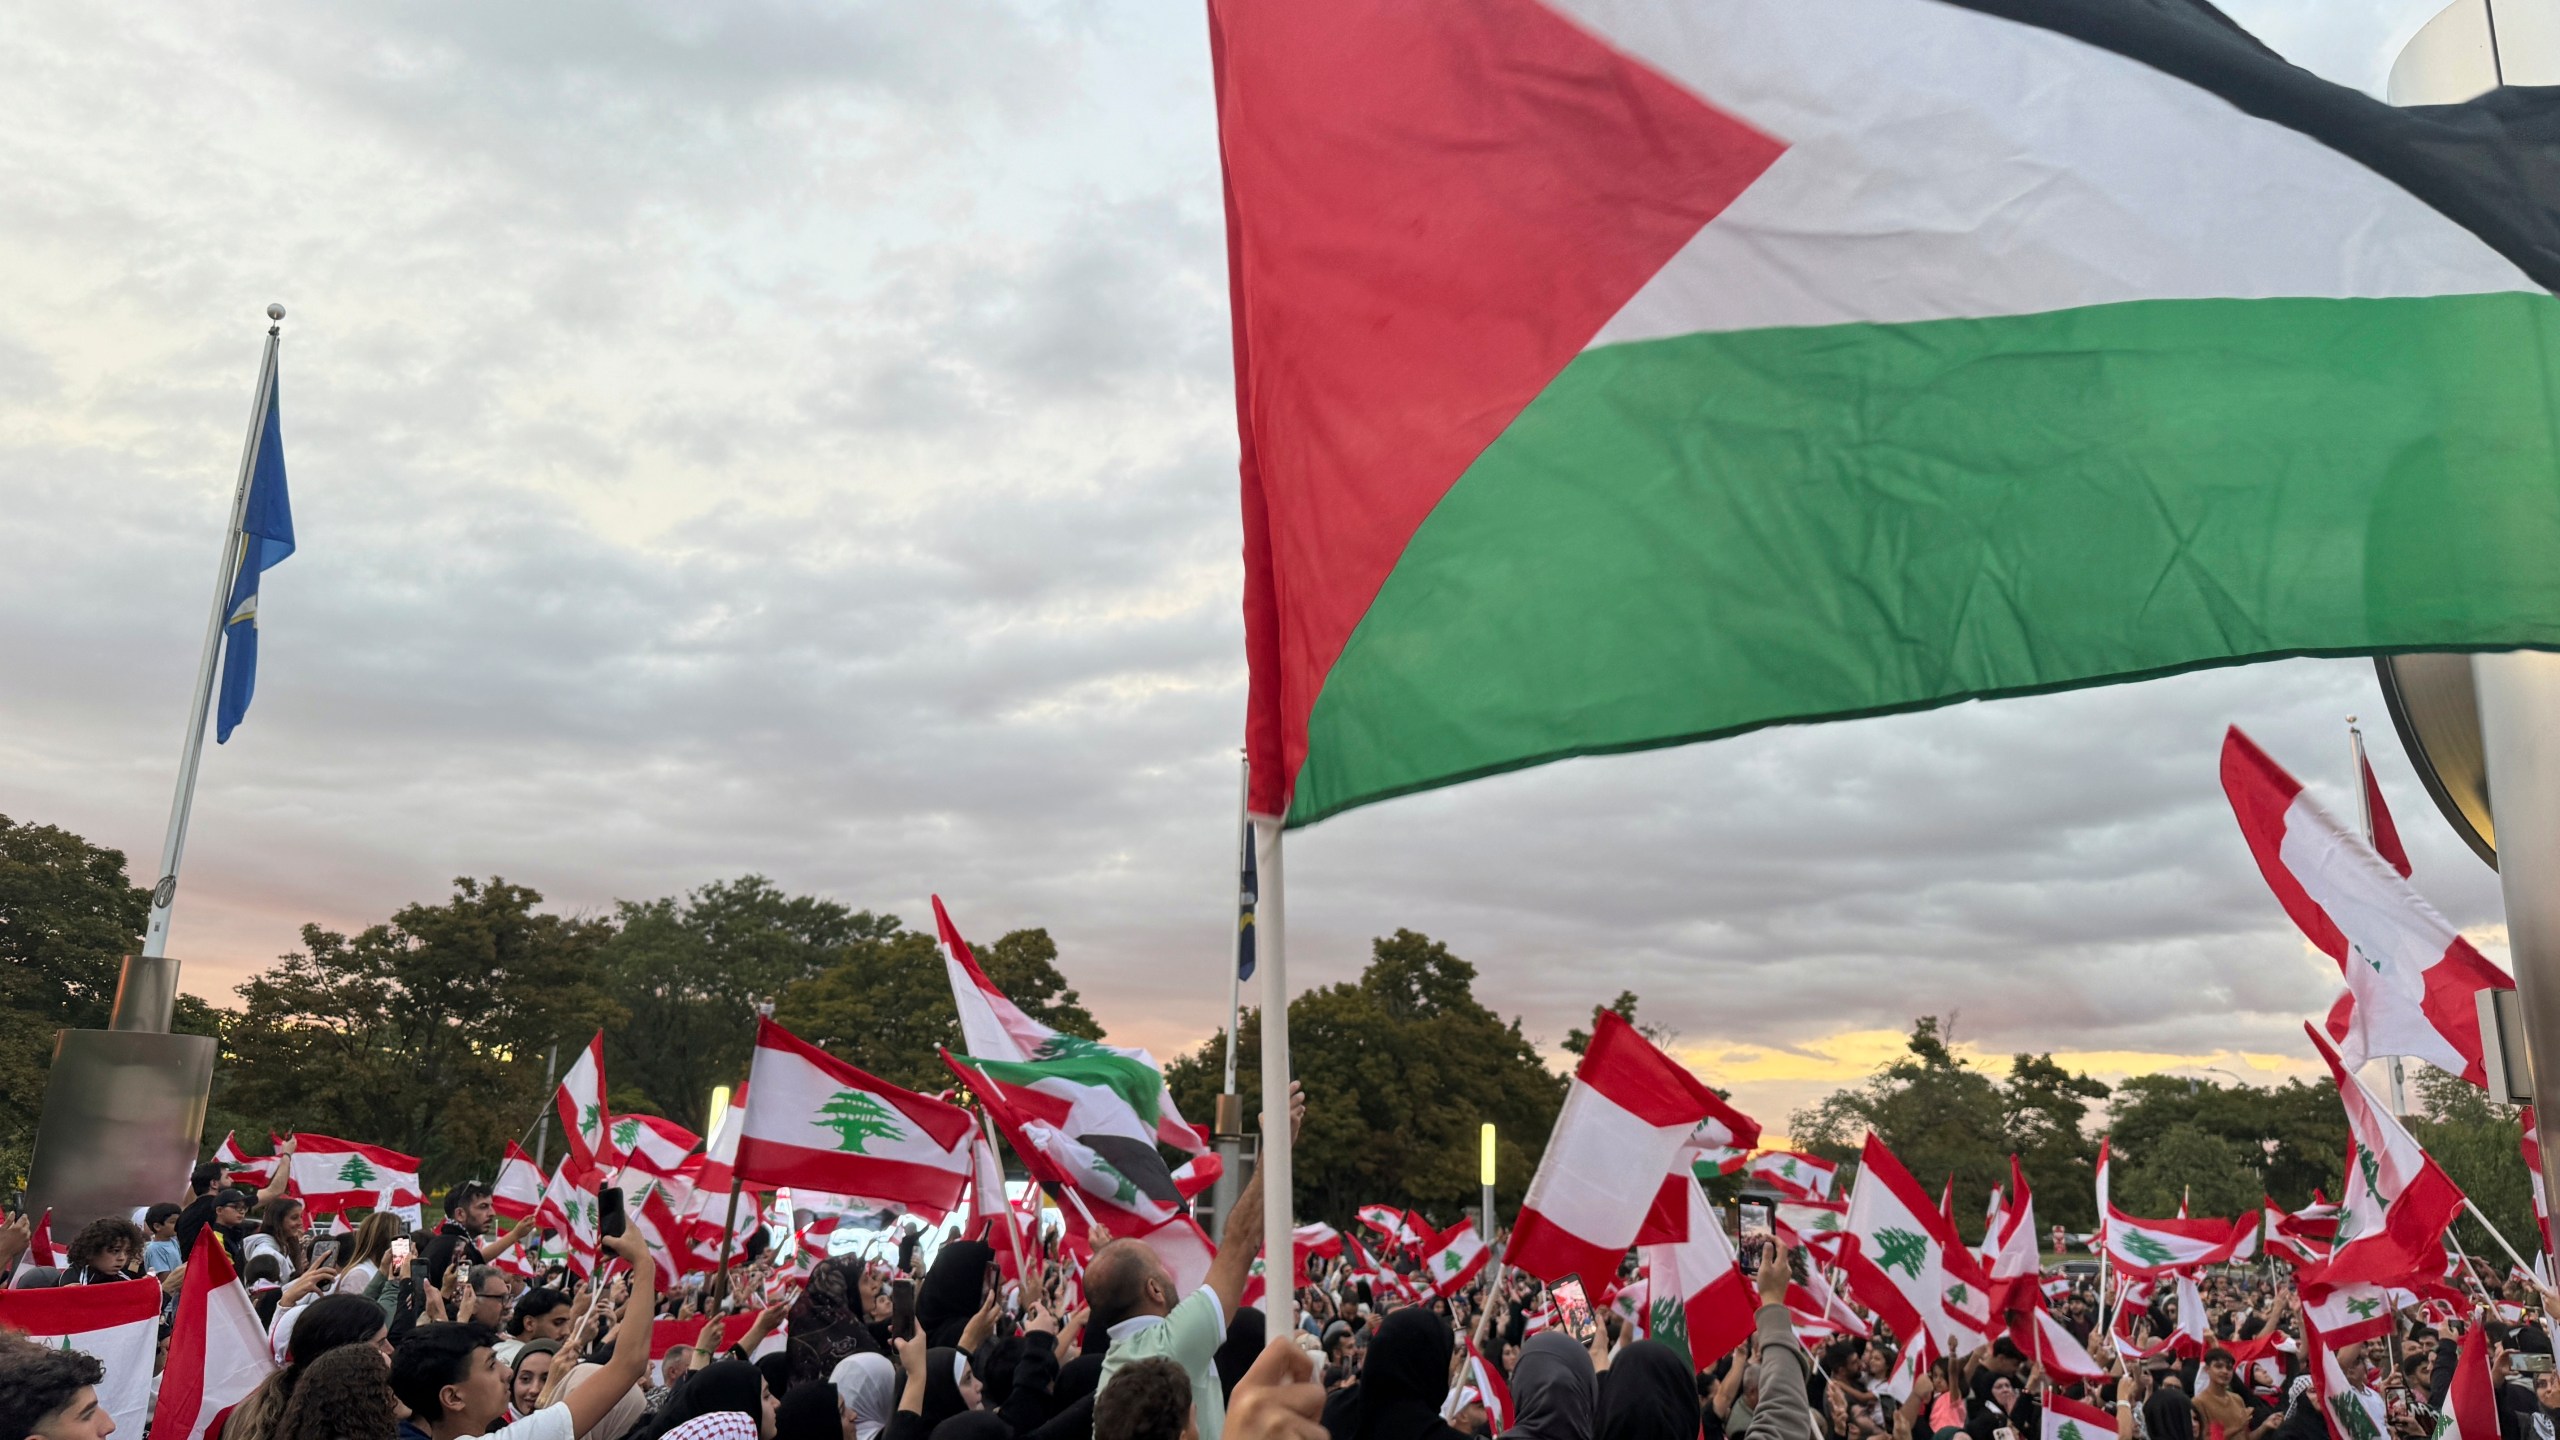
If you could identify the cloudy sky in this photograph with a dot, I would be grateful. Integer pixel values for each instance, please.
(793, 436)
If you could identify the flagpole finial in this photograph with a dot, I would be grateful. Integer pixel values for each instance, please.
(275, 312)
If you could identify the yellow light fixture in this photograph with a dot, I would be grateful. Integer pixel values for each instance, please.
(1486, 1175)
(719, 1107)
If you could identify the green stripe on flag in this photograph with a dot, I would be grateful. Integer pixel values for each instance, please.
(1702, 535)
(1094, 1069)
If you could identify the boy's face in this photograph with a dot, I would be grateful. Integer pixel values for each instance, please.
(83, 1419)
(481, 1397)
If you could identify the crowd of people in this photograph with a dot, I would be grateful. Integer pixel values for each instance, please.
(378, 1333)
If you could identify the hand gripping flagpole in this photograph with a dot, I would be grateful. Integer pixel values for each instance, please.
(155, 940)
(1271, 959)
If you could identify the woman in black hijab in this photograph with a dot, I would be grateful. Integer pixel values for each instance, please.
(953, 1290)
(723, 1385)
(1651, 1394)
(826, 1323)
(1554, 1394)
(1242, 1347)
(1401, 1386)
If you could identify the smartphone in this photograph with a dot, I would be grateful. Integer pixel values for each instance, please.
(902, 1309)
(399, 1250)
(1573, 1310)
(609, 1222)
(324, 1251)
(2528, 1362)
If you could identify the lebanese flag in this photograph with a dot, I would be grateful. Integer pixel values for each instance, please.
(2411, 977)
(2399, 1202)
(1629, 1111)
(1694, 1281)
(1817, 1309)
(2158, 1247)
(816, 1123)
(1184, 1248)
(1483, 1383)
(2349, 1314)
(657, 1210)
(1399, 1228)
(585, 1122)
(251, 1172)
(1820, 1226)
(1966, 1302)
(331, 1175)
(2386, 835)
(1897, 1263)
(1456, 1256)
(1616, 373)
(218, 1351)
(1316, 1238)
(570, 1206)
(2340, 1402)
(1198, 1174)
(518, 1191)
(1794, 1174)
(992, 1027)
(2192, 1333)
(652, 1144)
(2473, 1401)
(2531, 1145)
(986, 1180)
(2069, 1419)
(116, 1324)
(2060, 1352)
(2013, 1263)
(40, 1249)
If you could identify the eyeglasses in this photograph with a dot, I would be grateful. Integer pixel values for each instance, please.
(485, 1295)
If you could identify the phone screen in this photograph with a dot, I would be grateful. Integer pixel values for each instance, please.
(1573, 1311)
(902, 1308)
(399, 1249)
(609, 1212)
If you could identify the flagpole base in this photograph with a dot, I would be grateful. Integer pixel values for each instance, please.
(146, 995)
(123, 1116)
(2519, 694)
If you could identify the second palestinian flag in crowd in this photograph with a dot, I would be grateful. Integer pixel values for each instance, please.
(1620, 373)
(814, 1122)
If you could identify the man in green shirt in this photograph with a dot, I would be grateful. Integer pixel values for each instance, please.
(1132, 1296)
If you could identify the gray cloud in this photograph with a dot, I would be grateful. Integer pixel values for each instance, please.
(796, 439)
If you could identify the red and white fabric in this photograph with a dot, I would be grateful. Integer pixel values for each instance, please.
(652, 1144)
(2069, 1419)
(814, 1122)
(1897, 1262)
(570, 1206)
(2011, 1260)
(586, 1124)
(2059, 1351)
(1400, 1229)
(2398, 1204)
(2412, 979)
(2340, 1398)
(2531, 1147)
(40, 1251)
(2158, 1247)
(2472, 1401)
(1695, 1281)
(1820, 1226)
(518, 1191)
(1479, 1382)
(116, 1324)
(992, 1027)
(1794, 1174)
(218, 1351)
(1317, 1238)
(331, 1175)
(1456, 1256)
(1629, 1111)
(250, 1172)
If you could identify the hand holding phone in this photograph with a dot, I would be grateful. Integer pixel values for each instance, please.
(1573, 1311)
(609, 1220)
(902, 1309)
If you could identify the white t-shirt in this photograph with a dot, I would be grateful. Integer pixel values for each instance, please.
(551, 1422)
(355, 1278)
(266, 1244)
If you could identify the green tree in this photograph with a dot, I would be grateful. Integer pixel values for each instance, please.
(2184, 1162)
(1577, 1041)
(884, 1002)
(68, 917)
(1943, 1117)
(858, 1119)
(689, 971)
(2478, 1142)
(423, 1033)
(1401, 1069)
(2047, 1126)
(2293, 1136)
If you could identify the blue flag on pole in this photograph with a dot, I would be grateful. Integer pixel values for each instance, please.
(266, 537)
(1246, 898)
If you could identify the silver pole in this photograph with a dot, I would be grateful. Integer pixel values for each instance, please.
(2519, 705)
(542, 1118)
(1230, 1145)
(173, 847)
(1271, 951)
(2364, 817)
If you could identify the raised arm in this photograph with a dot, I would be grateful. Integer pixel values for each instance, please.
(590, 1403)
(1243, 1234)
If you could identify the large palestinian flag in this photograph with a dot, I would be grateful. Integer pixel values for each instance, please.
(1617, 373)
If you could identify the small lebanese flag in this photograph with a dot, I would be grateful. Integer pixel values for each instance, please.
(986, 1180)
(2069, 1419)
(1795, 1174)
(1317, 1238)
(816, 1123)
(1455, 1257)
(218, 1351)
(2412, 980)
(584, 1121)
(2061, 1353)
(1630, 1111)
(518, 1192)
(1817, 1309)
(570, 1206)
(330, 1174)
(240, 1168)
(1897, 1266)
(1693, 1278)
(116, 1324)
(40, 1248)
(2472, 1403)
(2399, 1202)
(1483, 1383)
(1816, 1225)
(1390, 1224)
(652, 1144)
(2350, 1314)
(2157, 1247)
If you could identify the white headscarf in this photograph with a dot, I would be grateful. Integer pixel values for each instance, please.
(867, 1384)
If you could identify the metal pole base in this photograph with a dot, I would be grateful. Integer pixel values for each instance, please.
(123, 1116)
(2520, 735)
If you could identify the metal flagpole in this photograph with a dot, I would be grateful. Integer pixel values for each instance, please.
(2364, 817)
(155, 939)
(1271, 952)
(2519, 694)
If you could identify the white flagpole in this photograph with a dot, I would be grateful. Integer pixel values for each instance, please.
(1271, 958)
(2364, 814)
(155, 940)
(1229, 1121)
